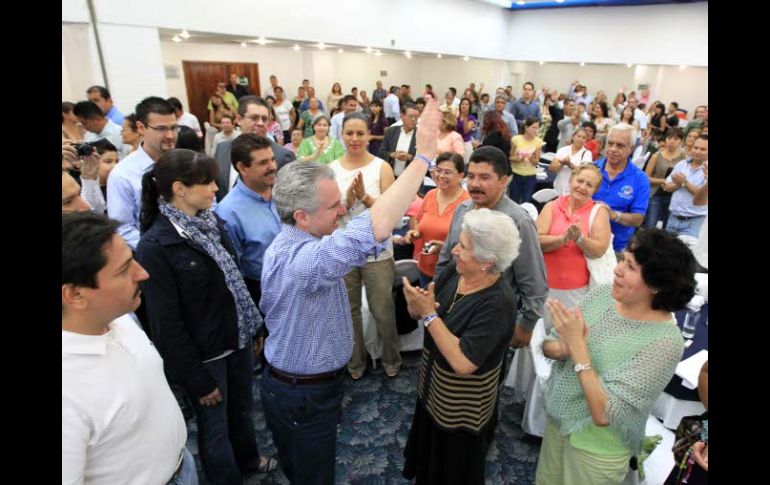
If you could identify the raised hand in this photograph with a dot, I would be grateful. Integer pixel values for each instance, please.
(427, 134)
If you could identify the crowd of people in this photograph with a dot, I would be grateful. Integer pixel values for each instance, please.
(187, 267)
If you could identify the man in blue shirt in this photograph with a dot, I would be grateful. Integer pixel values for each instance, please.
(248, 208)
(157, 124)
(625, 189)
(306, 103)
(686, 181)
(508, 119)
(101, 96)
(526, 106)
(306, 304)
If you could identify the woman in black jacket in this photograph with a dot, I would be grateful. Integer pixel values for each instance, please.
(201, 315)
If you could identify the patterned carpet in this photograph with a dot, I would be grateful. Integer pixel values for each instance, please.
(377, 413)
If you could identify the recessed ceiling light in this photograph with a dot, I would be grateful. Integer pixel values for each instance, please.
(296, 47)
(262, 40)
(408, 54)
(559, 1)
(368, 50)
(340, 51)
(243, 44)
(184, 34)
(541, 63)
(521, 2)
(378, 54)
(176, 39)
(321, 46)
(438, 55)
(629, 65)
(582, 64)
(466, 58)
(682, 67)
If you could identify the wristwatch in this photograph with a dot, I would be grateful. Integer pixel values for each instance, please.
(430, 318)
(581, 367)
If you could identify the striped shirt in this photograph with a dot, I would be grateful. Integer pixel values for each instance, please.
(304, 296)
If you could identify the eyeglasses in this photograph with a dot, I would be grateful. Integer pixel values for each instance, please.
(164, 129)
(412, 117)
(439, 172)
(256, 118)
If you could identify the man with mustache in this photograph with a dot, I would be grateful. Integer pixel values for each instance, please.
(249, 210)
(487, 176)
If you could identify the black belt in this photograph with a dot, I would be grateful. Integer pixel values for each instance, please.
(304, 378)
(685, 218)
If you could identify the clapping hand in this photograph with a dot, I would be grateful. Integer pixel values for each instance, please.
(89, 170)
(569, 324)
(420, 302)
(359, 191)
(573, 232)
(678, 178)
(410, 236)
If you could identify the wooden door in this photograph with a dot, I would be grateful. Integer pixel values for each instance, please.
(201, 80)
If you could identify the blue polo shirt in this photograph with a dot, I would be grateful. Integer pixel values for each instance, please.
(628, 192)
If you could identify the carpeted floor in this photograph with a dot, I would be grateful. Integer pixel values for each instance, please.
(377, 413)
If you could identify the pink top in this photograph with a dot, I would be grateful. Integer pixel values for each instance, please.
(434, 226)
(566, 267)
(453, 142)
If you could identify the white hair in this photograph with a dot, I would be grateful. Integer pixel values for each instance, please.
(625, 127)
(494, 236)
(296, 187)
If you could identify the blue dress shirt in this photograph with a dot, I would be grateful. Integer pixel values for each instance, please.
(522, 110)
(252, 223)
(629, 191)
(116, 116)
(124, 193)
(304, 296)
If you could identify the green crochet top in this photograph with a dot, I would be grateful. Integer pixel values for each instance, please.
(634, 361)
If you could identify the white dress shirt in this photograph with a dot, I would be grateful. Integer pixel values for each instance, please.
(404, 140)
(111, 132)
(120, 421)
(391, 106)
(336, 126)
(191, 121)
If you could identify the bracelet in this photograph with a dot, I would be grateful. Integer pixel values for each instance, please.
(429, 318)
(430, 163)
(579, 240)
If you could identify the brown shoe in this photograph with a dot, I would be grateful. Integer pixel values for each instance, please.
(356, 375)
(391, 371)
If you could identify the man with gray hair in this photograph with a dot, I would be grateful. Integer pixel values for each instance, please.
(500, 103)
(625, 189)
(306, 305)
(487, 175)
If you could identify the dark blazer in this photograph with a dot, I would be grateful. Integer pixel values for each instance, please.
(191, 311)
(390, 141)
(222, 155)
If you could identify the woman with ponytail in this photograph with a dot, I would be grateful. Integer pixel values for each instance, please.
(202, 318)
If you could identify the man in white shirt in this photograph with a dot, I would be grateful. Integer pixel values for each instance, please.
(229, 133)
(639, 115)
(97, 125)
(391, 106)
(120, 420)
(449, 106)
(185, 119)
(455, 99)
(398, 145)
(270, 90)
(349, 104)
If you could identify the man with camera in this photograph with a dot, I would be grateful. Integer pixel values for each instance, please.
(98, 126)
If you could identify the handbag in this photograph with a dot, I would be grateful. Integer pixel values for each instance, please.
(689, 432)
(602, 268)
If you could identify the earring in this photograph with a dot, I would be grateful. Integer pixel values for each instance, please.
(654, 292)
(182, 194)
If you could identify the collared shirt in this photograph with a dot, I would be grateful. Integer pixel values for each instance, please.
(120, 421)
(511, 122)
(527, 273)
(404, 141)
(391, 107)
(124, 193)
(682, 199)
(115, 115)
(523, 110)
(191, 121)
(629, 192)
(304, 296)
(379, 94)
(336, 126)
(252, 223)
(641, 118)
(219, 138)
(111, 132)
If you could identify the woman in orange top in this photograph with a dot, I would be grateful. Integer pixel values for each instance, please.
(435, 215)
(563, 231)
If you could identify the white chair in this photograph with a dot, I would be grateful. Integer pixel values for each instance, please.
(534, 411)
(545, 195)
(548, 156)
(638, 159)
(531, 210)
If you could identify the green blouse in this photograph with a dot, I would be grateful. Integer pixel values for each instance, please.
(334, 151)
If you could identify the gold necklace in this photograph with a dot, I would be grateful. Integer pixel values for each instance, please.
(457, 300)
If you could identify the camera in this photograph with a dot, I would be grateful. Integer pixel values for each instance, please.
(83, 149)
(428, 248)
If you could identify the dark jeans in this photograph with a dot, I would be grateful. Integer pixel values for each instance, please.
(303, 419)
(657, 211)
(226, 437)
(521, 188)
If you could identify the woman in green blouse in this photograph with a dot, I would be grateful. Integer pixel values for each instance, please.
(320, 147)
(614, 356)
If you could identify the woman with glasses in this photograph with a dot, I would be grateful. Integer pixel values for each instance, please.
(320, 147)
(435, 214)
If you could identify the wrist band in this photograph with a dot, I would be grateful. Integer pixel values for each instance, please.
(617, 217)
(429, 318)
(430, 163)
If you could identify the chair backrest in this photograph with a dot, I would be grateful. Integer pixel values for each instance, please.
(531, 210)
(548, 156)
(408, 268)
(545, 195)
(542, 363)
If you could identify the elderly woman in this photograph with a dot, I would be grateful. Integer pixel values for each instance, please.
(320, 147)
(614, 356)
(567, 237)
(435, 214)
(202, 316)
(362, 178)
(468, 316)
